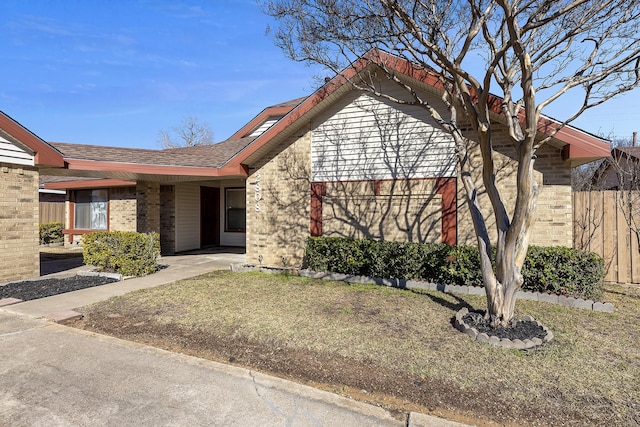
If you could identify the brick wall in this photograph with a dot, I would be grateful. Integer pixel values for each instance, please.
(403, 210)
(167, 219)
(122, 209)
(553, 223)
(278, 204)
(19, 236)
(148, 207)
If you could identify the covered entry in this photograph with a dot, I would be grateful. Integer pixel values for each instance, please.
(209, 216)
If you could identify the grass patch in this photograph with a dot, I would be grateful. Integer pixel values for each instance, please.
(396, 348)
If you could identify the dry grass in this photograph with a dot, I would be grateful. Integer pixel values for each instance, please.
(589, 374)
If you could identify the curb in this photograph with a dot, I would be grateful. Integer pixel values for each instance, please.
(60, 316)
(115, 276)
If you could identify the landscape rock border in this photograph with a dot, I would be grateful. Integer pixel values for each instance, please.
(516, 344)
(565, 301)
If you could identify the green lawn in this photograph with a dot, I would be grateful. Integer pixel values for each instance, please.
(396, 348)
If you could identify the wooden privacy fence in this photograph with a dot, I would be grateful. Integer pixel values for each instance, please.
(599, 226)
(51, 212)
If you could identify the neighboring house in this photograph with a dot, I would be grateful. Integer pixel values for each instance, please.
(337, 163)
(619, 172)
(21, 154)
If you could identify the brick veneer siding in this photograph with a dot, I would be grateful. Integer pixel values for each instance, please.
(553, 224)
(278, 204)
(148, 207)
(122, 209)
(19, 211)
(167, 219)
(402, 210)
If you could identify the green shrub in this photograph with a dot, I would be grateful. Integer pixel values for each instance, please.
(558, 270)
(563, 271)
(124, 252)
(51, 232)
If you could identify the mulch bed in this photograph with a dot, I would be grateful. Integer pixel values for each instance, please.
(521, 330)
(34, 289)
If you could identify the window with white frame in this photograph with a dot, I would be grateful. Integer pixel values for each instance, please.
(235, 218)
(90, 210)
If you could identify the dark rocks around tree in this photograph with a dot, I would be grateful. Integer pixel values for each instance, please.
(520, 329)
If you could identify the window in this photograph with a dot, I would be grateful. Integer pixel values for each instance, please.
(235, 218)
(90, 210)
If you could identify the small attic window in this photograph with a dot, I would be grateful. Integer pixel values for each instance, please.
(264, 126)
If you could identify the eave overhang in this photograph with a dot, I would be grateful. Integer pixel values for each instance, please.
(579, 147)
(44, 154)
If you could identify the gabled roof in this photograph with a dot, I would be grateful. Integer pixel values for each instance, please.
(44, 154)
(579, 146)
(275, 112)
(232, 157)
(127, 165)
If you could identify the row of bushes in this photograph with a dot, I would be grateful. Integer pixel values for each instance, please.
(51, 232)
(558, 270)
(125, 252)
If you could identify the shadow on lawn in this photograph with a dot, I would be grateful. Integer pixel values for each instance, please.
(453, 306)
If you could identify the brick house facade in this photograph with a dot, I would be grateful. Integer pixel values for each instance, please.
(21, 154)
(19, 209)
(337, 163)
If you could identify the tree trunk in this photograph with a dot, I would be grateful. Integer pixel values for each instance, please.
(501, 293)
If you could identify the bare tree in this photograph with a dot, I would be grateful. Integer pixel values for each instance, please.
(625, 164)
(190, 132)
(528, 52)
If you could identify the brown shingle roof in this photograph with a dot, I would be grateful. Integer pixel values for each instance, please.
(213, 155)
(221, 151)
(291, 103)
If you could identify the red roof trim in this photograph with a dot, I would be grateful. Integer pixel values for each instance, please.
(45, 155)
(581, 144)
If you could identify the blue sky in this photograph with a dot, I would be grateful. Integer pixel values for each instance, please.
(118, 72)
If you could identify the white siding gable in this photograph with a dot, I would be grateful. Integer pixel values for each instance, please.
(12, 153)
(369, 138)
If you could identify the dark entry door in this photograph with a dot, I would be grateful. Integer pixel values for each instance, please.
(209, 216)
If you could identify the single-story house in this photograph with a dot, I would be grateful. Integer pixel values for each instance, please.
(21, 154)
(340, 162)
(620, 172)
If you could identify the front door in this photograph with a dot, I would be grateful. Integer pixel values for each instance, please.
(209, 216)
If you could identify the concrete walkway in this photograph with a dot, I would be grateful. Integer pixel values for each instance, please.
(52, 375)
(177, 267)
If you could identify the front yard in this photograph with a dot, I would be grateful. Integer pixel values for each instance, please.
(395, 348)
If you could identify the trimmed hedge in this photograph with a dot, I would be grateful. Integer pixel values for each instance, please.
(125, 252)
(51, 232)
(557, 270)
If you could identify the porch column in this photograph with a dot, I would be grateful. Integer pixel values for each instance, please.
(148, 207)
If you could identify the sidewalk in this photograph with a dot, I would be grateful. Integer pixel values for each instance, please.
(55, 375)
(179, 267)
